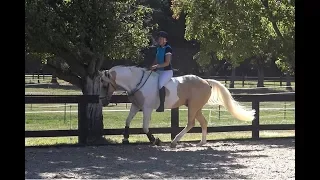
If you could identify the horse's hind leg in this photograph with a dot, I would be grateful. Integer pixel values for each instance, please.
(133, 111)
(204, 124)
(191, 123)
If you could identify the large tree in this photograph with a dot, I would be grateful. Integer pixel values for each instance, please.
(239, 29)
(281, 14)
(74, 38)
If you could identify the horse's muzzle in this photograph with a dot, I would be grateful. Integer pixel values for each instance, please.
(105, 101)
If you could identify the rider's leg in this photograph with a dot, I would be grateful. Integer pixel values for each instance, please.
(164, 77)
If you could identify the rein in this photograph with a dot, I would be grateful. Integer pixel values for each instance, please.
(137, 89)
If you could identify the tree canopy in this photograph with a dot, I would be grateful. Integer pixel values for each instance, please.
(240, 29)
(74, 37)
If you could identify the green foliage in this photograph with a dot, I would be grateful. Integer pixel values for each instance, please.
(239, 29)
(282, 13)
(83, 33)
(162, 17)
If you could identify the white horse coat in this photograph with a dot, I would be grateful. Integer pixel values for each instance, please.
(189, 90)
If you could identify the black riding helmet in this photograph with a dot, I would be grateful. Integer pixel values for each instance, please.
(162, 34)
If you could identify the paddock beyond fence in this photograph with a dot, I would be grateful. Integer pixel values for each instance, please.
(83, 100)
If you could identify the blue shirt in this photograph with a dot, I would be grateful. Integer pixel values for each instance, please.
(160, 56)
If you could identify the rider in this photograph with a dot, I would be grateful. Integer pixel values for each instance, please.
(162, 64)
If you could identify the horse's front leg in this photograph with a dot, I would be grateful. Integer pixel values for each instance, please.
(133, 111)
(146, 120)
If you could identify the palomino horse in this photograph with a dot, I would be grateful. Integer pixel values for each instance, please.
(189, 90)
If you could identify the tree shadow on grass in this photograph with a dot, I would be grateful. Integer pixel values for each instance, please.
(52, 86)
(138, 161)
(259, 90)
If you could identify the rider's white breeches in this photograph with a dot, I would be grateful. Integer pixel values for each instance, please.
(164, 77)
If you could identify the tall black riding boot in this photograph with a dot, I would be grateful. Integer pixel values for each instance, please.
(162, 96)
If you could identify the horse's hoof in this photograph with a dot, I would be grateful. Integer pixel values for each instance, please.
(200, 144)
(125, 141)
(157, 142)
(173, 145)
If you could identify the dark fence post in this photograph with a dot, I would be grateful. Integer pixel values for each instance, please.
(82, 123)
(243, 79)
(38, 77)
(255, 122)
(225, 80)
(174, 122)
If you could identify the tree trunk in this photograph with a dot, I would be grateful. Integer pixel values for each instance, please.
(233, 76)
(260, 77)
(54, 79)
(94, 110)
(288, 81)
(260, 72)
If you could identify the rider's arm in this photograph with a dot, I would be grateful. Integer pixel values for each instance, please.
(154, 61)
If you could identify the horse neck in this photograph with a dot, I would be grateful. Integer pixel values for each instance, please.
(128, 80)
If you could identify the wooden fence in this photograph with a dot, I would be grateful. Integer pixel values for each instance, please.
(243, 79)
(83, 100)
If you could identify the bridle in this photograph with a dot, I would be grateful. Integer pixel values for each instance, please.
(107, 74)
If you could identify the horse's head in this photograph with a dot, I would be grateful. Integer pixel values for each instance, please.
(107, 87)
(127, 78)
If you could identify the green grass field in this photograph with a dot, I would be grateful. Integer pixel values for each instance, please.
(64, 116)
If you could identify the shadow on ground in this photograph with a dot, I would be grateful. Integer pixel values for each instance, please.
(281, 142)
(140, 161)
(133, 162)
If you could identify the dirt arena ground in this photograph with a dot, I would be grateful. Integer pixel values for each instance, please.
(243, 159)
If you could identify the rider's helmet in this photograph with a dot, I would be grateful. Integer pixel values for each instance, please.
(162, 34)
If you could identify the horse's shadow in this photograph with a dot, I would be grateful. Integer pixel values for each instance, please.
(140, 161)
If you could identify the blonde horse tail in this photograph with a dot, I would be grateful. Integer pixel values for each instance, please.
(220, 95)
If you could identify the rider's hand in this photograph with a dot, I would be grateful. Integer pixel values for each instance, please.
(154, 67)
